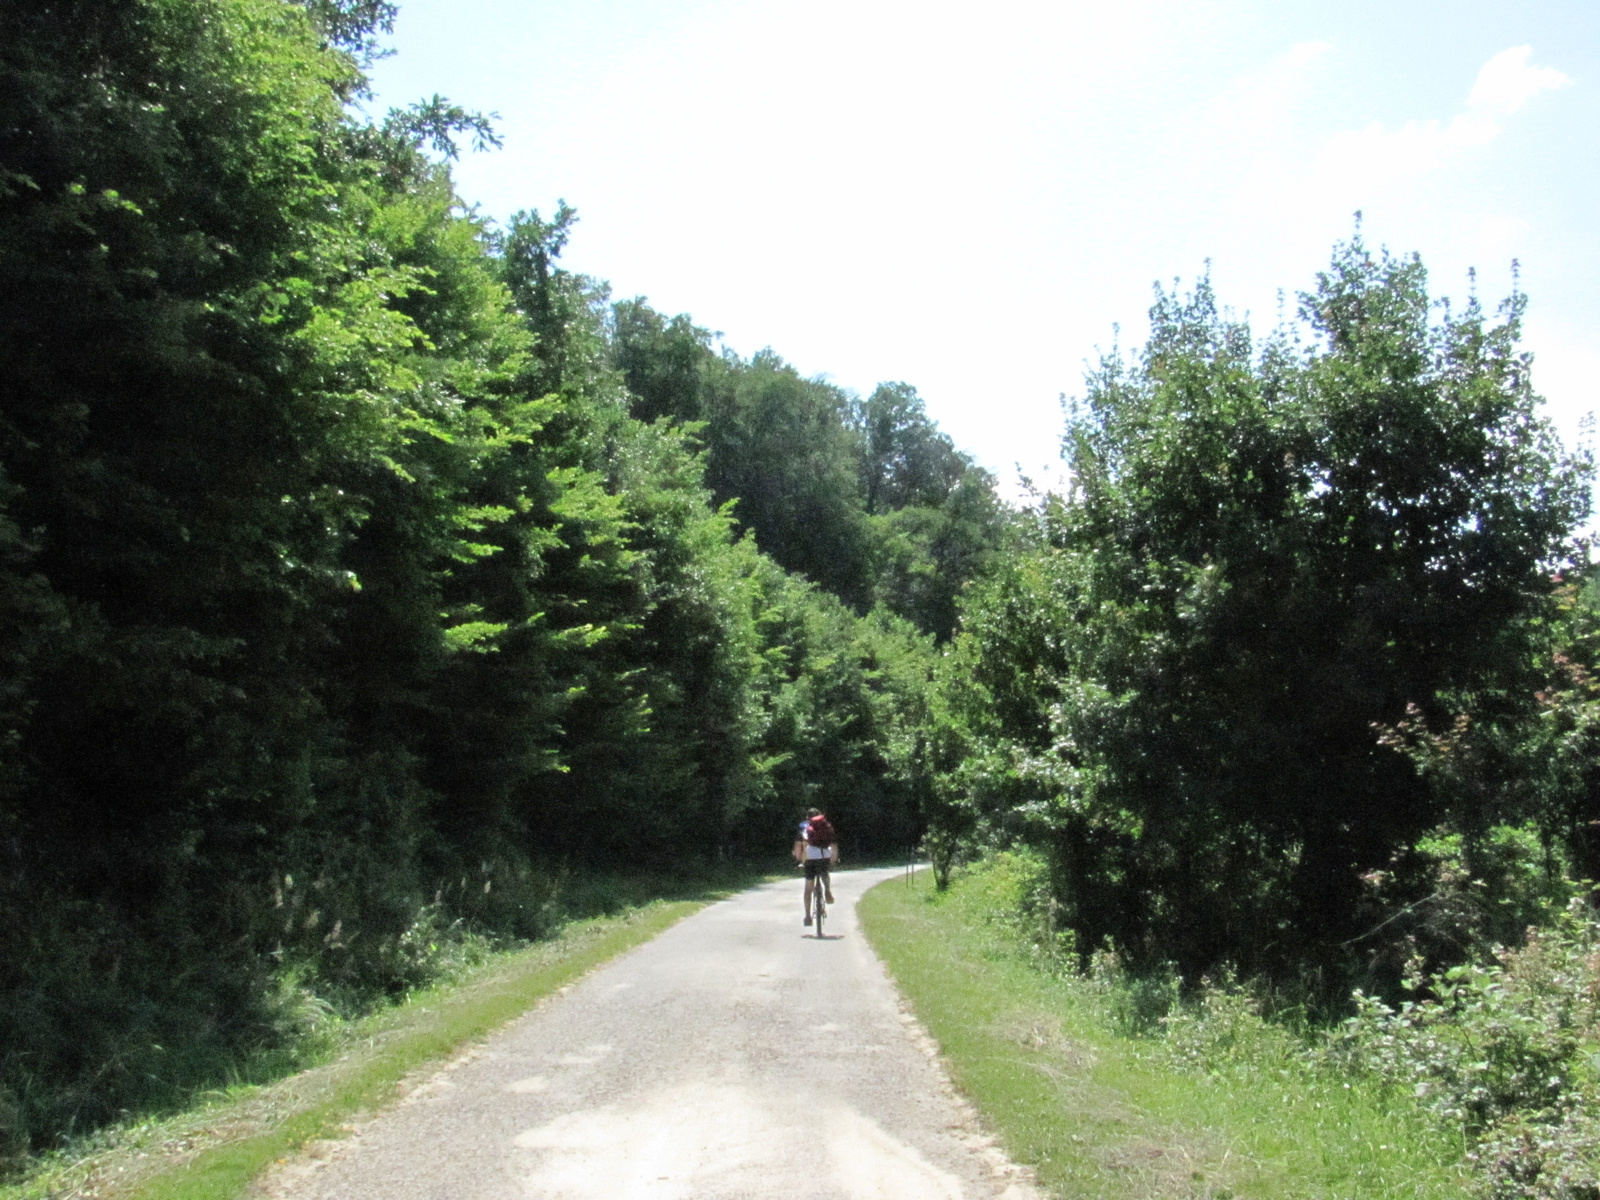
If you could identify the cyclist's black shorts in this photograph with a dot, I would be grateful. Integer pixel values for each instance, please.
(818, 866)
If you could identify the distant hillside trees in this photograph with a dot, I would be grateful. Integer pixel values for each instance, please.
(867, 498)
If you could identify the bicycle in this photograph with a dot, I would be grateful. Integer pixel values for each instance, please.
(819, 905)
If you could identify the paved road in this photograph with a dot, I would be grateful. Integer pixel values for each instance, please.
(735, 1057)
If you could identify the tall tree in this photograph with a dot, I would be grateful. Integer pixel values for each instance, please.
(1263, 557)
(905, 458)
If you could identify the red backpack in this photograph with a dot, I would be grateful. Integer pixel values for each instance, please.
(819, 832)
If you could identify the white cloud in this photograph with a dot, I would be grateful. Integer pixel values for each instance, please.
(1507, 82)
(1504, 84)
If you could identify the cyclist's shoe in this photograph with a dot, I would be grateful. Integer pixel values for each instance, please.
(808, 918)
(830, 897)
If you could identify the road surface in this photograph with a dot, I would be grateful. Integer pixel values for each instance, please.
(735, 1057)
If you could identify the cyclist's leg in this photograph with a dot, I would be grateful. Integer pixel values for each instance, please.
(827, 883)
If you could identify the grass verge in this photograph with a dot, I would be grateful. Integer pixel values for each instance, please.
(1099, 1112)
(214, 1151)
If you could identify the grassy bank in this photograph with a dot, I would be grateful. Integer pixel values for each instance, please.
(214, 1151)
(1221, 1109)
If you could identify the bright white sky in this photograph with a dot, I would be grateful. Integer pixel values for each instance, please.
(969, 197)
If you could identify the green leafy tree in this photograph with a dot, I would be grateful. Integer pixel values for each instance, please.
(1263, 555)
(202, 345)
(905, 458)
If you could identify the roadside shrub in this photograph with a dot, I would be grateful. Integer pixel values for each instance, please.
(295, 1014)
(435, 947)
(1510, 1050)
(1533, 1159)
(1012, 891)
(1221, 1025)
(1137, 1003)
(1504, 1052)
(1449, 899)
(1514, 1036)
(13, 1134)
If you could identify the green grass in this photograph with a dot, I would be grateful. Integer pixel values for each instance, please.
(216, 1150)
(1103, 1113)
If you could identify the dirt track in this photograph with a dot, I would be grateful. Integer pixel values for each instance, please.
(735, 1057)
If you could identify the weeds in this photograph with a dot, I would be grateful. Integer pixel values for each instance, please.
(1501, 1058)
(1509, 1051)
(1119, 1088)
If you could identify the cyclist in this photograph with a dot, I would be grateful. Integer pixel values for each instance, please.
(817, 849)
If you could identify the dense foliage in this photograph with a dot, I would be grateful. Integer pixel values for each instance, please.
(1204, 680)
(365, 573)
